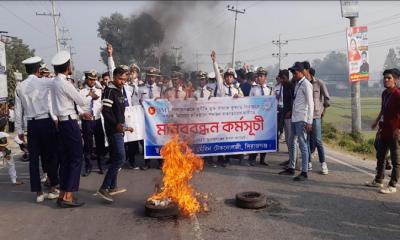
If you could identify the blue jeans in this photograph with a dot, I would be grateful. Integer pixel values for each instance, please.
(316, 138)
(299, 133)
(117, 157)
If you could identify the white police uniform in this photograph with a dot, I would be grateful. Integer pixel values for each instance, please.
(149, 92)
(223, 89)
(261, 90)
(203, 92)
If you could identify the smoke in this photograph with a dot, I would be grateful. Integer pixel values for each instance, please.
(181, 20)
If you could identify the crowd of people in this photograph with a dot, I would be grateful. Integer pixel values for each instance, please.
(65, 127)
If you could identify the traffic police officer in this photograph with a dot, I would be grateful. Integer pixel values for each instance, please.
(261, 89)
(32, 104)
(203, 91)
(65, 98)
(92, 127)
(150, 91)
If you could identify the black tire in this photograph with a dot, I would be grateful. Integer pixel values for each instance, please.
(251, 200)
(172, 210)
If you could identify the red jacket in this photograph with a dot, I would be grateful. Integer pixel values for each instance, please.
(391, 112)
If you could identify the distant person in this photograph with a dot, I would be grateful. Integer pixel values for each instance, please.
(389, 132)
(364, 68)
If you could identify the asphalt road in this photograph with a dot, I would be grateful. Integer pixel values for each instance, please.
(336, 206)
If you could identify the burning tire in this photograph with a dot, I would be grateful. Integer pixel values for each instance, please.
(171, 210)
(251, 200)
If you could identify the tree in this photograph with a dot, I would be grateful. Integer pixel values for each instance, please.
(333, 67)
(16, 52)
(392, 61)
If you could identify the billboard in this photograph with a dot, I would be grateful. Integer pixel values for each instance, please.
(3, 74)
(357, 53)
(349, 8)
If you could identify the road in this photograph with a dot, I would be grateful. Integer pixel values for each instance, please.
(336, 206)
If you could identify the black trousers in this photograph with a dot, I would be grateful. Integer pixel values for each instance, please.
(382, 149)
(93, 129)
(11, 127)
(253, 156)
(42, 144)
(133, 149)
(70, 156)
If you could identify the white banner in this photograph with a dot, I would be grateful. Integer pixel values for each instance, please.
(3, 74)
(134, 118)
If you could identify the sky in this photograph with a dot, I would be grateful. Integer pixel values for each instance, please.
(312, 28)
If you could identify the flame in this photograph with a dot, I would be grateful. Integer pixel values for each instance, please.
(179, 165)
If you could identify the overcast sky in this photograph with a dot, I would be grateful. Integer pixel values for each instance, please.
(315, 24)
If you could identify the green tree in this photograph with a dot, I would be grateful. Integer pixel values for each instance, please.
(16, 52)
(333, 67)
(391, 61)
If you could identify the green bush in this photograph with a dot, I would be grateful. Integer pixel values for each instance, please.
(363, 147)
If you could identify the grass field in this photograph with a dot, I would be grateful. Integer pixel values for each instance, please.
(339, 114)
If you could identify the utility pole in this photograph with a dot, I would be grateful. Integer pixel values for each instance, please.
(176, 54)
(197, 60)
(236, 11)
(55, 21)
(350, 10)
(279, 55)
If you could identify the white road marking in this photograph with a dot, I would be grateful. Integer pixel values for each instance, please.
(350, 166)
(196, 228)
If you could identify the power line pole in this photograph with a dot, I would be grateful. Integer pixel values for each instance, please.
(53, 15)
(197, 60)
(236, 11)
(350, 10)
(176, 54)
(279, 55)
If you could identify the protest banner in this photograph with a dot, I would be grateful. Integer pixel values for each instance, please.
(219, 126)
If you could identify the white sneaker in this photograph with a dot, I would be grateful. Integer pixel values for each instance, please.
(41, 198)
(324, 168)
(373, 183)
(388, 190)
(53, 195)
(309, 166)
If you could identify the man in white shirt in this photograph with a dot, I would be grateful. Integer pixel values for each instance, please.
(261, 89)
(65, 98)
(32, 104)
(150, 91)
(203, 91)
(225, 88)
(92, 127)
(302, 118)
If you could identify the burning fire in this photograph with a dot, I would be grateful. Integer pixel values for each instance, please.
(179, 165)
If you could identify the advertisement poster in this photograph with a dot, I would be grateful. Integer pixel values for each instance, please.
(357, 53)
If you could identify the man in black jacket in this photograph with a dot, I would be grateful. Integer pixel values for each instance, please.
(114, 122)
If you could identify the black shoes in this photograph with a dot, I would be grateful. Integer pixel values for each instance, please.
(285, 163)
(264, 163)
(66, 204)
(103, 193)
(87, 172)
(288, 172)
(301, 177)
(144, 168)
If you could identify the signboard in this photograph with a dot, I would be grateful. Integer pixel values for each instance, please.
(3, 74)
(219, 126)
(349, 8)
(357, 53)
(134, 118)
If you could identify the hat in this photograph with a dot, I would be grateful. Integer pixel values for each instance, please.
(44, 69)
(202, 75)
(125, 67)
(32, 60)
(211, 75)
(3, 139)
(60, 58)
(91, 75)
(152, 71)
(230, 71)
(297, 66)
(176, 75)
(306, 65)
(134, 67)
(261, 71)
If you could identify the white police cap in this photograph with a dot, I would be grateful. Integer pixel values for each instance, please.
(211, 75)
(32, 60)
(60, 58)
